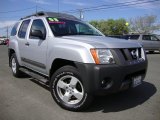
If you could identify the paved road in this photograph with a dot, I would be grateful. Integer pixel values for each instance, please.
(24, 99)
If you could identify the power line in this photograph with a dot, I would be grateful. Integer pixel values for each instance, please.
(10, 17)
(125, 5)
(19, 16)
(109, 6)
(104, 5)
(43, 8)
(20, 10)
(101, 7)
(58, 6)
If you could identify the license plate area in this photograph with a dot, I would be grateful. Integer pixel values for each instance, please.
(136, 81)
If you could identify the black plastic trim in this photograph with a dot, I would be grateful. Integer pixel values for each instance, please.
(37, 64)
(92, 76)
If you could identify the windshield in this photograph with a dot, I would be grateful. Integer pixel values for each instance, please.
(158, 36)
(64, 27)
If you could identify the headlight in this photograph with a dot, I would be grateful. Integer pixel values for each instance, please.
(143, 54)
(102, 56)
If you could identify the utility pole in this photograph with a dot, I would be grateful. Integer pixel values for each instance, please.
(36, 9)
(81, 14)
(36, 6)
(58, 6)
(7, 32)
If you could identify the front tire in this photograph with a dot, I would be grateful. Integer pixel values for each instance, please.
(68, 90)
(15, 66)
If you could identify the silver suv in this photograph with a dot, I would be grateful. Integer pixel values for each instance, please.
(150, 42)
(73, 58)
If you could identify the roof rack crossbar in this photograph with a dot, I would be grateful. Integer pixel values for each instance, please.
(52, 14)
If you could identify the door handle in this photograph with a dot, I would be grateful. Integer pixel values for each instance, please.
(27, 43)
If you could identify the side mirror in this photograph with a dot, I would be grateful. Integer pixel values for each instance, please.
(37, 33)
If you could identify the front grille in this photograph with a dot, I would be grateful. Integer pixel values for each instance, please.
(135, 53)
(130, 54)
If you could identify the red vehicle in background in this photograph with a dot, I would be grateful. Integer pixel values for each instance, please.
(6, 42)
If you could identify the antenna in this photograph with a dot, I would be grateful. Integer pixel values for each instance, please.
(7, 31)
(36, 6)
(81, 14)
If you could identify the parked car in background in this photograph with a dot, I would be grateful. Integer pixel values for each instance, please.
(158, 36)
(150, 42)
(6, 42)
(116, 36)
(2, 40)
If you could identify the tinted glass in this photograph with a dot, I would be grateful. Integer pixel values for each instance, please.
(150, 37)
(133, 37)
(146, 37)
(38, 25)
(63, 27)
(117, 36)
(154, 38)
(14, 30)
(158, 37)
(23, 29)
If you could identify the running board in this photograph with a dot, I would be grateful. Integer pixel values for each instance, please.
(35, 75)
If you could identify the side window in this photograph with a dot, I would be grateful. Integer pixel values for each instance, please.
(83, 29)
(146, 37)
(23, 29)
(154, 38)
(14, 30)
(133, 37)
(37, 25)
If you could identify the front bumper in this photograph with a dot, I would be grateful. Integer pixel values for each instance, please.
(116, 77)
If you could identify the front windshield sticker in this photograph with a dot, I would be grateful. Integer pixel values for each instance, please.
(54, 21)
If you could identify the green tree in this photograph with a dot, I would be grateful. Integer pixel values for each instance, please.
(111, 27)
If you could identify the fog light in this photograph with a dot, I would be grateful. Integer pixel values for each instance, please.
(106, 83)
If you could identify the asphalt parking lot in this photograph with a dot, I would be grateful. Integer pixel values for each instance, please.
(25, 99)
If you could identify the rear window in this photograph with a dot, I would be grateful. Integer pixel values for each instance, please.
(14, 30)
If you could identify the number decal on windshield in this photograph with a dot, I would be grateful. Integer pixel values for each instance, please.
(54, 21)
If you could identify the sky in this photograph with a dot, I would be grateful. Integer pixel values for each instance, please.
(12, 10)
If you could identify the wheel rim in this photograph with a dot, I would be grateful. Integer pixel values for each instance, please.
(70, 89)
(14, 66)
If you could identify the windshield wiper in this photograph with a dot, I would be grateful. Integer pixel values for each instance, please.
(91, 34)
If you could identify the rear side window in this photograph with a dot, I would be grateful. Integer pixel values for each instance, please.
(154, 38)
(146, 37)
(133, 37)
(150, 37)
(23, 29)
(14, 30)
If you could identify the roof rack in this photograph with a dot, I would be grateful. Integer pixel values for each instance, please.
(52, 14)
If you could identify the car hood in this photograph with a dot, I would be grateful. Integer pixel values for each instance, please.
(102, 41)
